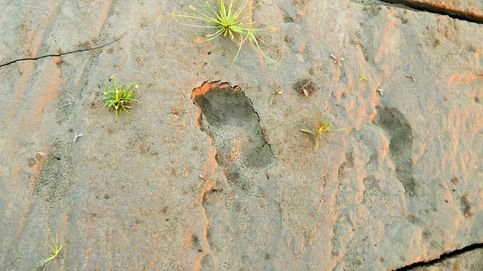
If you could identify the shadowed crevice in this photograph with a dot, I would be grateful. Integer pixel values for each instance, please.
(439, 9)
(443, 257)
(434, 8)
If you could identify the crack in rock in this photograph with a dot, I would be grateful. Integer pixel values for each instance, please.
(59, 54)
(234, 126)
(443, 257)
(435, 8)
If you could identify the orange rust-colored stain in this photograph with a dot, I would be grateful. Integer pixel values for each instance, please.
(203, 89)
(208, 86)
(209, 170)
(17, 172)
(23, 220)
(31, 118)
(103, 14)
(450, 8)
(464, 78)
(36, 166)
(58, 61)
(302, 6)
(34, 40)
(235, 149)
(211, 167)
(204, 243)
(198, 118)
(31, 40)
(387, 37)
(54, 78)
(20, 89)
(31, 37)
(187, 238)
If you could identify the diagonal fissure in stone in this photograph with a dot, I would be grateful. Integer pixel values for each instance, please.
(59, 54)
(440, 9)
(443, 257)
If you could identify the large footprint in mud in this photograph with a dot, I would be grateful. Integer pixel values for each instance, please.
(229, 119)
(400, 146)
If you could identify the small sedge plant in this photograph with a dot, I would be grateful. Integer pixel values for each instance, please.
(120, 97)
(55, 249)
(225, 20)
(321, 128)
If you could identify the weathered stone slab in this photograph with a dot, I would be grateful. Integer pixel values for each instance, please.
(176, 186)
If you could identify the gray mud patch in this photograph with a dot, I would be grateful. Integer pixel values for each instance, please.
(230, 119)
(401, 144)
(55, 176)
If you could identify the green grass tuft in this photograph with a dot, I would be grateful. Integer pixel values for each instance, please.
(120, 97)
(321, 128)
(54, 249)
(225, 20)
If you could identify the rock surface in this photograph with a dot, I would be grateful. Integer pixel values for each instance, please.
(177, 186)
